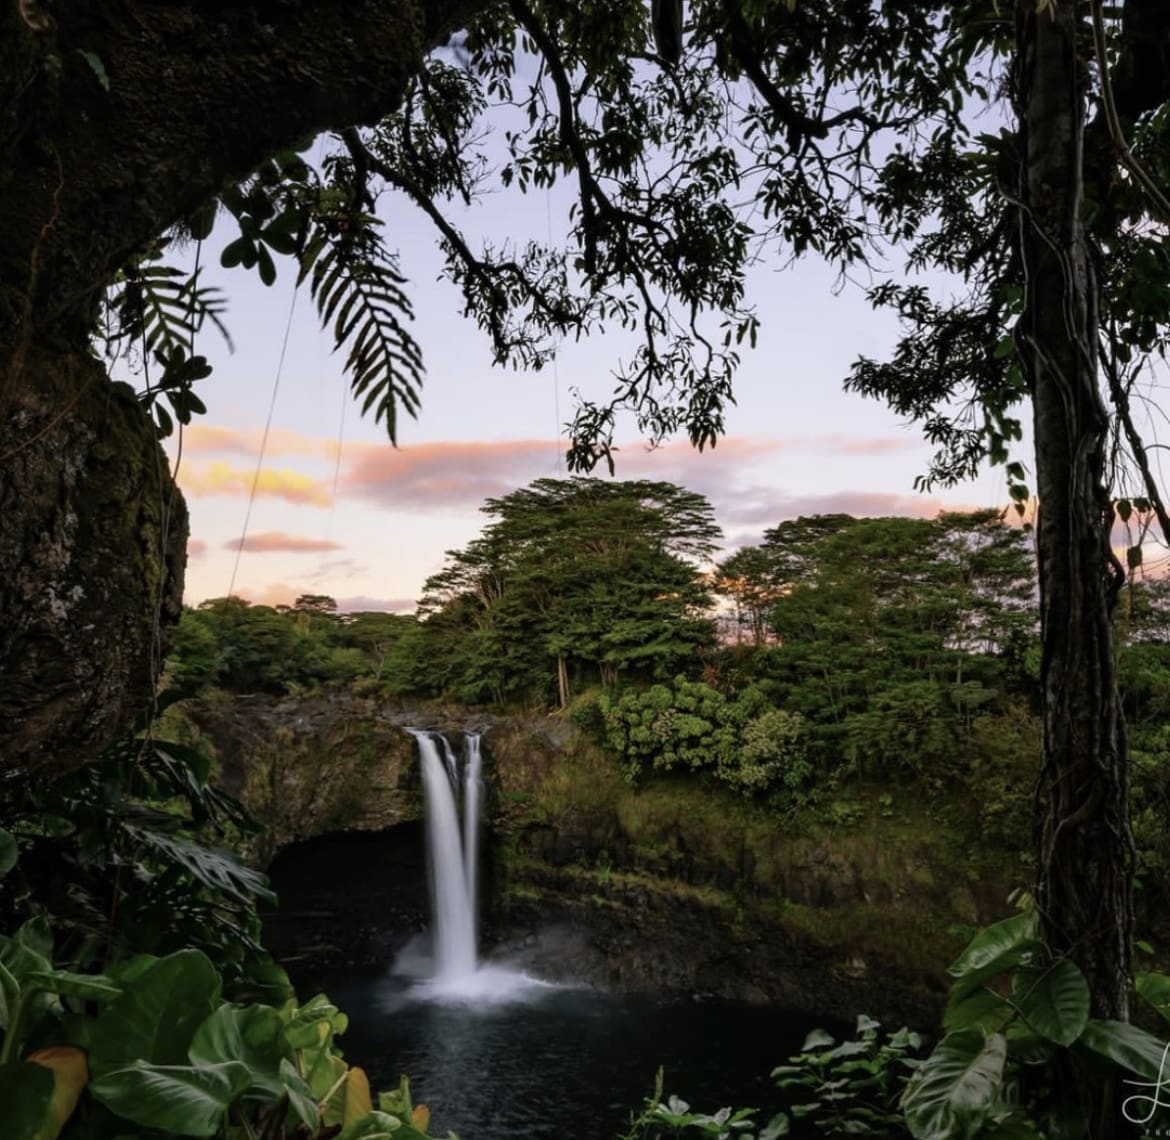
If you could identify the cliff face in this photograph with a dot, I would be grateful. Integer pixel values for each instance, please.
(311, 766)
(674, 886)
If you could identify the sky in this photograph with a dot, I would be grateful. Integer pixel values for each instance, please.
(337, 510)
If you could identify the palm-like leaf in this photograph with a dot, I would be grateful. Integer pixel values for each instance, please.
(355, 283)
(165, 308)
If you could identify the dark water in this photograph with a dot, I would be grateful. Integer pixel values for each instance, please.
(570, 1064)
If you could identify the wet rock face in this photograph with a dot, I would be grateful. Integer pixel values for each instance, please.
(93, 537)
(312, 766)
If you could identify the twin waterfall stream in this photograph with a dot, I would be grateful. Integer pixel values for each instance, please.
(452, 787)
(452, 852)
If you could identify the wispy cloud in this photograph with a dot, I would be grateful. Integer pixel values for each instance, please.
(208, 439)
(196, 548)
(221, 478)
(363, 603)
(277, 540)
(433, 476)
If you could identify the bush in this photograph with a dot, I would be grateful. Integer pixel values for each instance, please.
(742, 741)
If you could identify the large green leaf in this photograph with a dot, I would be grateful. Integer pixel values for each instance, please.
(9, 852)
(219, 871)
(26, 1092)
(999, 947)
(1154, 989)
(21, 959)
(1054, 1001)
(184, 1099)
(155, 1017)
(1130, 1047)
(252, 1034)
(381, 1126)
(949, 1097)
(87, 987)
(301, 1102)
(975, 1008)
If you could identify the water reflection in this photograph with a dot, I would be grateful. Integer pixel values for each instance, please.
(559, 1062)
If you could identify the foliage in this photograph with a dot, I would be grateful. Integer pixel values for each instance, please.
(573, 582)
(673, 1117)
(899, 641)
(850, 1088)
(116, 854)
(744, 742)
(1017, 1021)
(152, 1047)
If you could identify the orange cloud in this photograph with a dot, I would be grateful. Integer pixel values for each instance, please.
(459, 475)
(277, 540)
(208, 439)
(274, 594)
(221, 478)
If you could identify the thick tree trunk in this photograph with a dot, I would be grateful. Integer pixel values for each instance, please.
(1084, 844)
(93, 537)
(116, 120)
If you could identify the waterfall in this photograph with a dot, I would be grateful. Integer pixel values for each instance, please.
(452, 861)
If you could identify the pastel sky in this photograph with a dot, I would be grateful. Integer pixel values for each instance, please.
(338, 510)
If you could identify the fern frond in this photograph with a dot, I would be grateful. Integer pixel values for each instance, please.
(164, 307)
(357, 288)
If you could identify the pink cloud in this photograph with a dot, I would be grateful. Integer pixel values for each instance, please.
(196, 548)
(458, 475)
(208, 439)
(221, 478)
(277, 540)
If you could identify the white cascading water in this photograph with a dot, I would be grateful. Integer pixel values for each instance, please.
(452, 790)
(451, 855)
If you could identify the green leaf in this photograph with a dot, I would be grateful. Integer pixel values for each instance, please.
(301, 1101)
(957, 1086)
(975, 1008)
(1015, 1127)
(1154, 988)
(97, 67)
(182, 1099)
(155, 1017)
(219, 871)
(776, 1127)
(1128, 1046)
(817, 1039)
(87, 987)
(252, 1034)
(1054, 1001)
(36, 935)
(9, 852)
(998, 947)
(26, 1093)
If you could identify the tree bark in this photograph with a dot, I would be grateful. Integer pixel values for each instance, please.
(195, 95)
(1083, 836)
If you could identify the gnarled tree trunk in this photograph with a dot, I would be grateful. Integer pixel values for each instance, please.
(116, 120)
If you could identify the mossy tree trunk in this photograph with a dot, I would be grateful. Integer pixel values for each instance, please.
(92, 529)
(1082, 822)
